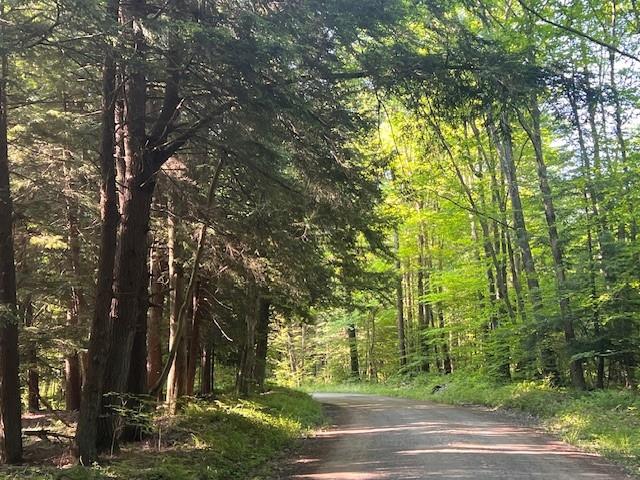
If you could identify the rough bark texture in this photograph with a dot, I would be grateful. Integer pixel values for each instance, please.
(136, 196)
(10, 408)
(175, 378)
(156, 308)
(137, 382)
(353, 352)
(86, 434)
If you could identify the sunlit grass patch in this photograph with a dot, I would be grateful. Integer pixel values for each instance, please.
(226, 439)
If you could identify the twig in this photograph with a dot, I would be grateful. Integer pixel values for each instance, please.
(52, 411)
(44, 433)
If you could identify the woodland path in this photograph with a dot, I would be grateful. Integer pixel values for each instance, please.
(373, 437)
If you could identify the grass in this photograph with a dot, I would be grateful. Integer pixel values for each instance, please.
(226, 439)
(604, 422)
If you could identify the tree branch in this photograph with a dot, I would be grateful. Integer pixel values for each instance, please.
(577, 32)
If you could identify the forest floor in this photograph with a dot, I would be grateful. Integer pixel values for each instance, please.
(222, 439)
(603, 422)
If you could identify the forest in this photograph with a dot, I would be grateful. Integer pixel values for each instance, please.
(201, 198)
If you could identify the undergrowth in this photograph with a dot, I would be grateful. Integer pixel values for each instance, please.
(226, 439)
(604, 421)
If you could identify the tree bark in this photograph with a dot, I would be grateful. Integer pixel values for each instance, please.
(245, 379)
(193, 343)
(262, 339)
(136, 196)
(447, 364)
(533, 131)
(10, 406)
(424, 309)
(293, 361)
(353, 352)
(593, 298)
(33, 378)
(505, 145)
(207, 369)
(372, 371)
(202, 237)
(86, 433)
(137, 381)
(73, 377)
(156, 308)
(176, 376)
(402, 346)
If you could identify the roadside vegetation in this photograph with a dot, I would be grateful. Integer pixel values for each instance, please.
(223, 439)
(606, 422)
(310, 191)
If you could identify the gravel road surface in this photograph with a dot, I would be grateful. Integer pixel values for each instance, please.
(373, 437)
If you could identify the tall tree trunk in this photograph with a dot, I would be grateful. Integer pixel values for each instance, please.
(514, 263)
(622, 144)
(533, 131)
(447, 365)
(548, 358)
(293, 361)
(175, 379)
(73, 377)
(193, 350)
(629, 357)
(86, 433)
(245, 380)
(491, 250)
(132, 249)
(10, 406)
(202, 237)
(137, 382)
(409, 324)
(402, 345)
(353, 352)
(31, 354)
(424, 310)
(207, 368)
(372, 372)
(262, 342)
(604, 237)
(593, 298)
(154, 325)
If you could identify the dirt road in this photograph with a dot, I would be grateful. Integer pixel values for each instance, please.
(375, 437)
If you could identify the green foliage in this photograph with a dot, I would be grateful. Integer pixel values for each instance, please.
(220, 440)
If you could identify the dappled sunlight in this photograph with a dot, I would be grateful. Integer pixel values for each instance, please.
(362, 430)
(503, 449)
(386, 439)
(344, 476)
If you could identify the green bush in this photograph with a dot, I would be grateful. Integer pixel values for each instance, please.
(225, 439)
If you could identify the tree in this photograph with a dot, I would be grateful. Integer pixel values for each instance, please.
(10, 405)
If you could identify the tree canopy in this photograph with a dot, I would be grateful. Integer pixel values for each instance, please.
(317, 190)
